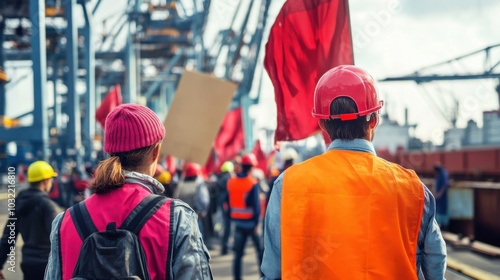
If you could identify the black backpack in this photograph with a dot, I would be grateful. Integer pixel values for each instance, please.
(114, 253)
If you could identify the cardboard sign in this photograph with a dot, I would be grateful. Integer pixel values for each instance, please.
(195, 116)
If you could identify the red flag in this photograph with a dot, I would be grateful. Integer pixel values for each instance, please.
(112, 100)
(230, 140)
(308, 38)
(261, 157)
(211, 165)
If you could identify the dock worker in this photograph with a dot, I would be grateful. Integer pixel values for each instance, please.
(244, 208)
(227, 172)
(348, 214)
(32, 216)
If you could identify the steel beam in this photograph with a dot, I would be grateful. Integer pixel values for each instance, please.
(90, 96)
(178, 24)
(23, 133)
(102, 55)
(96, 6)
(39, 58)
(3, 100)
(171, 64)
(426, 79)
(248, 74)
(130, 92)
(57, 106)
(131, 72)
(159, 39)
(73, 129)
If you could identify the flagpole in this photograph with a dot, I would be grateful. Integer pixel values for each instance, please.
(350, 30)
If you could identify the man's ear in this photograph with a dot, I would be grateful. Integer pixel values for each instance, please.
(374, 121)
(321, 124)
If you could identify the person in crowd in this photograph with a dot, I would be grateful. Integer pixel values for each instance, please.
(170, 239)
(194, 192)
(244, 208)
(289, 156)
(165, 178)
(441, 188)
(227, 172)
(32, 217)
(348, 214)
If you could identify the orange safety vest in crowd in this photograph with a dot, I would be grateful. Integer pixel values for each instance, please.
(350, 215)
(238, 190)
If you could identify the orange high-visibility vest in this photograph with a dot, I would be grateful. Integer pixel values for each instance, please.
(238, 190)
(350, 215)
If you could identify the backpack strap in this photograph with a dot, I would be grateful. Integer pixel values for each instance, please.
(142, 212)
(82, 220)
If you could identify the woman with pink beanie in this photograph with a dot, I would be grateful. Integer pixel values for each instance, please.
(127, 198)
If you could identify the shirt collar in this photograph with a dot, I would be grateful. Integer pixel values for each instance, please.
(147, 182)
(358, 145)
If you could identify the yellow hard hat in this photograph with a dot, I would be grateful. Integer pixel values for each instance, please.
(227, 167)
(39, 171)
(164, 177)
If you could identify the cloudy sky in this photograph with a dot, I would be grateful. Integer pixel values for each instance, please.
(395, 38)
(391, 38)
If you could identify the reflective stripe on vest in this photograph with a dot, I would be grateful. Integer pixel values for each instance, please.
(350, 215)
(238, 190)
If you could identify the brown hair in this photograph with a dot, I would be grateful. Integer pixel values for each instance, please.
(109, 173)
(346, 130)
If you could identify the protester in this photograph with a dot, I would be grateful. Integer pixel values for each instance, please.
(123, 185)
(348, 214)
(227, 172)
(441, 188)
(165, 178)
(289, 157)
(194, 192)
(244, 207)
(32, 217)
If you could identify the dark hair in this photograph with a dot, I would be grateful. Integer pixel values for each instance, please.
(37, 184)
(288, 162)
(245, 168)
(109, 173)
(346, 130)
(190, 178)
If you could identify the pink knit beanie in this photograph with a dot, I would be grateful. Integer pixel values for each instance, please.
(130, 127)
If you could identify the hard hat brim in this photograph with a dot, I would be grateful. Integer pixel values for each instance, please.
(36, 180)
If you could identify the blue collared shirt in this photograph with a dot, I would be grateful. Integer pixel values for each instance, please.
(431, 249)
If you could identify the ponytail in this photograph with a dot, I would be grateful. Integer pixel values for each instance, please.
(108, 176)
(109, 173)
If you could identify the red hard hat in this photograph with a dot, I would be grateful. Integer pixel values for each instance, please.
(249, 159)
(192, 169)
(346, 81)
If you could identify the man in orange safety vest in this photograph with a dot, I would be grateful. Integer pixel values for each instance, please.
(348, 214)
(244, 209)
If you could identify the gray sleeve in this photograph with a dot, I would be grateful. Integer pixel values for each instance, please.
(190, 256)
(53, 270)
(434, 247)
(271, 262)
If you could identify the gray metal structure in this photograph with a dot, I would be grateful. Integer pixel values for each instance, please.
(46, 33)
